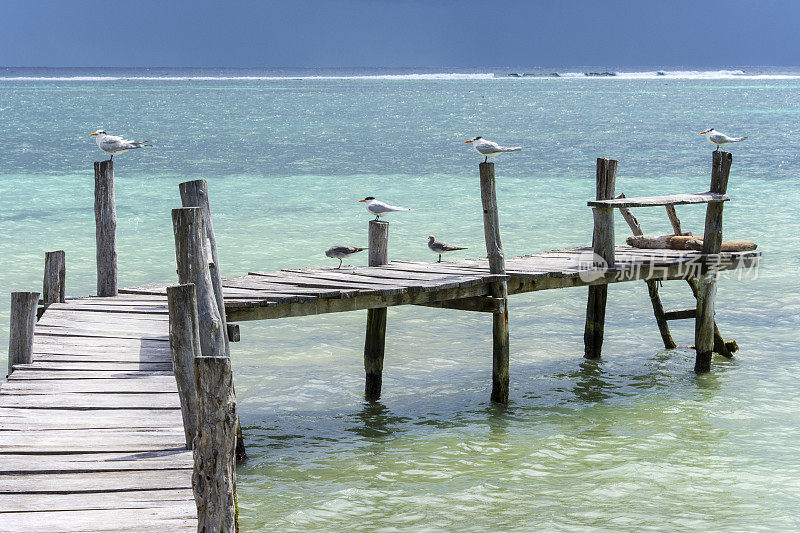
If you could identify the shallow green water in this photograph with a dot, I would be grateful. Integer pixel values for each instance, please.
(634, 442)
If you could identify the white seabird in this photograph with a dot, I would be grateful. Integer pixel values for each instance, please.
(439, 247)
(489, 148)
(342, 252)
(380, 209)
(719, 138)
(113, 144)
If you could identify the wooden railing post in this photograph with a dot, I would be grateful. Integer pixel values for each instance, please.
(105, 216)
(195, 194)
(603, 246)
(375, 338)
(707, 282)
(497, 265)
(184, 343)
(22, 322)
(214, 476)
(55, 271)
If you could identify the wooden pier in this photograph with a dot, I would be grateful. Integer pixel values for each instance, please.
(107, 395)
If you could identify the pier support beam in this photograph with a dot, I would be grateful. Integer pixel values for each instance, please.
(707, 283)
(22, 322)
(375, 339)
(214, 476)
(497, 265)
(105, 216)
(184, 343)
(603, 245)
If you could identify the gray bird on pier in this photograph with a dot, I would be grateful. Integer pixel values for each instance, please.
(489, 149)
(439, 247)
(342, 252)
(113, 144)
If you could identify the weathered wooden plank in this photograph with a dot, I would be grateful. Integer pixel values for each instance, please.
(134, 499)
(40, 419)
(139, 385)
(155, 519)
(92, 365)
(484, 304)
(40, 373)
(680, 314)
(673, 199)
(94, 462)
(89, 441)
(91, 401)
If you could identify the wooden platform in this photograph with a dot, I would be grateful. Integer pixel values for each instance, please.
(91, 435)
(310, 291)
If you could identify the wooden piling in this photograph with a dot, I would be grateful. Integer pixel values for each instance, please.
(105, 216)
(658, 312)
(214, 476)
(22, 322)
(55, 271)
(707, 282)
(190, 254)
(375, 338)
(195, 194)
(184, 343)
(497, 265)
(603, 246)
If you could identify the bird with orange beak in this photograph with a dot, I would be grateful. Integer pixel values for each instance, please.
(489, 149)
(379, 208)
(113, 144)
(719, 138)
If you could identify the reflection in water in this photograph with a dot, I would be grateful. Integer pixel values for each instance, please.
(376, 421)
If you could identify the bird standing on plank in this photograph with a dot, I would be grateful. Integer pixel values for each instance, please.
(112, 144)
(439, 247)
(719, 138)
(489, 149)
(341, 252)
(380, 209)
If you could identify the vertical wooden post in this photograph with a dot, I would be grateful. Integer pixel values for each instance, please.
(190, 254)
(497, 265)
(105, 216)
(658, 312)
(55, 270)
(375, 339)
(184, 343)
(603, 245)
(22, 322)
(214, 475)
(195, 194)
(707, 283)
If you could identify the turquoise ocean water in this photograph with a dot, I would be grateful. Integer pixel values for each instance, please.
(634, 442)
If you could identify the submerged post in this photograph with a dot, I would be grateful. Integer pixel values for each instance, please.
(375, 338)
(214, 475)
(603, 246)
(22, 322)
(105, 217)
(707, 282)
(497, 265)
(195, 194)
(55, 271)
(184, 343)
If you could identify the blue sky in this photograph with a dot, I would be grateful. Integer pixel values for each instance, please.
(405, 33)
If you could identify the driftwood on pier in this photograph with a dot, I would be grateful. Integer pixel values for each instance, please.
(685, 242)
(603, 247)
(375, 337)
(105, 215)
(499, 289)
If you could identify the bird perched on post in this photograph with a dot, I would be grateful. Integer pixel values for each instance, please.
(380, 209)
(489, 148)
(439, 247)
(719, 138)
(113, 144)
(342, 252)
